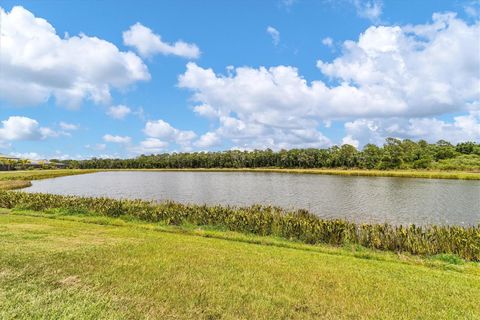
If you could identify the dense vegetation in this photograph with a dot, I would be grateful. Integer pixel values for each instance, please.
(394, 154)
(265, 220)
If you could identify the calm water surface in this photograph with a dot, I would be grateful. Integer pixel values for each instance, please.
(360, 199)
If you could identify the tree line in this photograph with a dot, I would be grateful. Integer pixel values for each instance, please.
(394, 154)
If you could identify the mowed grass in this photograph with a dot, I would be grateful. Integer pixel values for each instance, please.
(87, 267)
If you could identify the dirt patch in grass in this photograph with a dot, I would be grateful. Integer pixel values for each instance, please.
(70, 281)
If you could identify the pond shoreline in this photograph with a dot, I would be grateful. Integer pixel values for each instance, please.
(422, 174)
(10, 180)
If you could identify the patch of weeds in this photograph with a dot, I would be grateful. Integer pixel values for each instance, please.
(449, 258)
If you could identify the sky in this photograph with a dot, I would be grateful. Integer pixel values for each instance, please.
(116, 79)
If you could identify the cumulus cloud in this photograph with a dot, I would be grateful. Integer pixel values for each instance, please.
(275, 34)
(148, 43)
(68, 126)
(350, 140)
(40, 64)
(163, 131)
(461, 128)
(17, 128)
(206, 111)
(160, 135)
(117, 139)
(398, 72)
(208, 140)
(150, 146)
(118, 112)
(417, 70)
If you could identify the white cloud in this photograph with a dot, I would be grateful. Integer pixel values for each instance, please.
(68, 126)
(327, 42)
(351, 141)
(153, 143)
(150, 146)
(118, 112)
(461, 128)
(96, 147)
(38, 63)
(148, 43)
(163, 131)
(17, 128)
(405, 72)
(472, 8)
(206, 111)
(417, 70)
(369, 9)
(275, 34)
(28, 155)
(209, 139)
(117, 139)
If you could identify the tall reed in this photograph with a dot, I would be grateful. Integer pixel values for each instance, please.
(266, 220)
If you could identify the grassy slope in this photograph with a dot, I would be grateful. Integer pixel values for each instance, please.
(107, 268)
(39, 174)
(20, 179)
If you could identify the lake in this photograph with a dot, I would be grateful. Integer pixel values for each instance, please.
(359, 199)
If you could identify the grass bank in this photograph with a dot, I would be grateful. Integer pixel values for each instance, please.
(57, 266)
(426, 174)
(10, 180)
(40, 174)
(297, 225)
(14, 184)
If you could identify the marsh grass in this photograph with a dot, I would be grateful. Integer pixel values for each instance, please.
(14, 184)
(11, 180)
(424, 174)
(28, 175)
(297, 225)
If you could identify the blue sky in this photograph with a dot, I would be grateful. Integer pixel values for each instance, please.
(118, 79)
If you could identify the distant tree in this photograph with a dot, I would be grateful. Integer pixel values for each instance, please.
(466, 147)
(347, 156)
(370, 156)
(443, 150)
(393, 154)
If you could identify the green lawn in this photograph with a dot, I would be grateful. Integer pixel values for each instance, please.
(86, 267)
